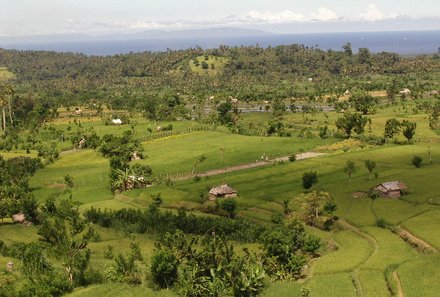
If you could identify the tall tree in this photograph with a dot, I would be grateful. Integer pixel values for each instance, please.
(6, 94)
(392, 128)
(370, 165)
(350, 168)
(408, 129)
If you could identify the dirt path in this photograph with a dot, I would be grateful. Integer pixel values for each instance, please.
(301, 156)
(417, 243)
(399, 284)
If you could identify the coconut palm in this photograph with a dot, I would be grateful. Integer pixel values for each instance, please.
(6, 94)
(124, 180)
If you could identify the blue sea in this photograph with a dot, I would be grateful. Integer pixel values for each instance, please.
(401, 42)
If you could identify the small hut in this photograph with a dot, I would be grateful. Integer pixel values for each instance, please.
(82, 144)
(19, 218)
(405, 92)
(223, 191)
(117, 122)
(393, 189)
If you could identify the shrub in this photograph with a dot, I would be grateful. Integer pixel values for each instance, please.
(164, 266)
(277, 218)
(309, 179)
(381, 223)
(417, 161)
(292, 158)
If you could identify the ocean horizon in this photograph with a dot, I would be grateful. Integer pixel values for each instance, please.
(401, 42)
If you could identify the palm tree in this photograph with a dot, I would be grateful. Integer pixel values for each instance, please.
(123, 180)
(6, 94)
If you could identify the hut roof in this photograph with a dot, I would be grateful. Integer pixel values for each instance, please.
(222, 190)
(18, 218)
(393, 185)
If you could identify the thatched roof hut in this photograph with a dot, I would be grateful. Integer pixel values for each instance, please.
(405, 92)
(222, 191)
(19, 218)
(392, 189)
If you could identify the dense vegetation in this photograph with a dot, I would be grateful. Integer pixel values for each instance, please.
(110, 161)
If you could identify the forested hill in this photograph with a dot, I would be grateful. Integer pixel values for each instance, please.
(247, 73)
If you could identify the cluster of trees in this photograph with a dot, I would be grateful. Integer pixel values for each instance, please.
(393, 127)
(63, 239)
(15, 193)
(211, 267)
(152, 220)
(160, 83)
(120, 151)
(351, 122)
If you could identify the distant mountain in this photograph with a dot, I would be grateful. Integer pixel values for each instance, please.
(144, 35)
(198, 33)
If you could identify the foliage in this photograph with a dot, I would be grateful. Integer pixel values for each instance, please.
(164, 266)
(153, 220)
(69, 238)
(317, 209)
(363, 103)
(213, 269)
(230, 206)
(15, 193)
(417, 161)
(120, 147)
(408, 129)
(350, 168)
(370, 165)
(392, 128)
(351, 122)
(309, 179)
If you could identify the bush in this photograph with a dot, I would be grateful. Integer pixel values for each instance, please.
(292, 158)
(417, 161)
(381, 223)
(309, 179)
(277, 218)
(164, 266)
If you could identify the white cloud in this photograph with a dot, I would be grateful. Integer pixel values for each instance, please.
(324, 14)
(286, 16)
(249, 19)
(374, 14)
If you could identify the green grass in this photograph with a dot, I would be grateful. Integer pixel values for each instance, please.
(89, 171)
(391, 249)
(352, 251)
(373, 283)
(215, 64)
(284, 289)
(426, 226)
(18, 153)
(120, 290)
(420, 277)
(260, 186)
(261, 192)
(179, 153)
(335, 285)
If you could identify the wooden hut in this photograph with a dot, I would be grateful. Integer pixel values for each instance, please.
(19, 218)
(392, 189)
(223, 191)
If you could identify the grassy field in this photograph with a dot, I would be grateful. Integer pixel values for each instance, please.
(420, 277)
(214, 64)
(179, 153)
(89, 171)
(360, 259)
(121, 290)
(426, 226)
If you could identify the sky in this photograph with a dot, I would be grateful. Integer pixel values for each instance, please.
(41, 17)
